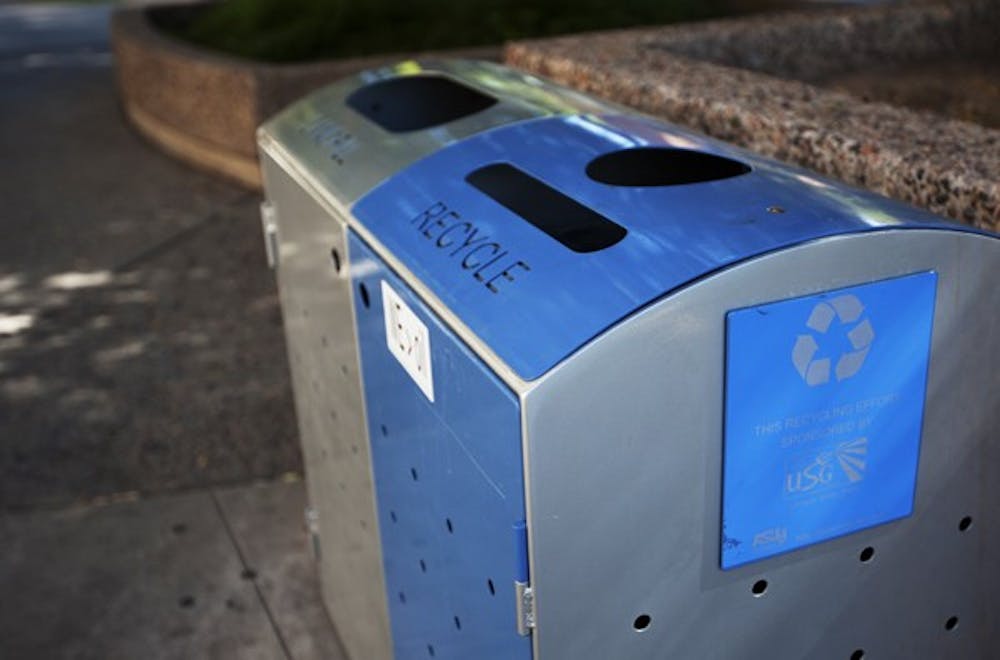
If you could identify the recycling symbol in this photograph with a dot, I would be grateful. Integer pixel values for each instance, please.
(847, 309)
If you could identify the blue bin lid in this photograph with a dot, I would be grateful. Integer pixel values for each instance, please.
(541, 235)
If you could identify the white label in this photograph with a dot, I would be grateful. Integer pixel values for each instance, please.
(408, 340)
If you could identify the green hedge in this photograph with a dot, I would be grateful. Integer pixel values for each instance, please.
(295, 30)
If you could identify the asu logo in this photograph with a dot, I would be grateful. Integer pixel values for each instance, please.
(847, 309)
(773, 536)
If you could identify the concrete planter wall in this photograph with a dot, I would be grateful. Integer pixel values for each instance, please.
(204, 107)
(747, 81)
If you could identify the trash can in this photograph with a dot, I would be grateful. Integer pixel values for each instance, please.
(318, 157)
(632, 393)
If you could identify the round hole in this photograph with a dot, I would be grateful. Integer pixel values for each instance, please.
(858, 654)
(489, 584)
(661, 166)
(402, 597)
(759, 587)
(965, 523)
(867, 554)
(951, 623)
(363, 290)
(335, 258)
(641, 622)
(413, 473)
(447, 523)
(458, 623)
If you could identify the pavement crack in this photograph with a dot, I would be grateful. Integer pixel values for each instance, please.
(179, 238)
(250, 574)
(164, 246)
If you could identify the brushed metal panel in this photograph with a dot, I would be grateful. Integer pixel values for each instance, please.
(623, 453)
(347, 154)
(322, 350)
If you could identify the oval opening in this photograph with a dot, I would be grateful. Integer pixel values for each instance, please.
(662, 166)
(641, 622)
(759, 588)
(412, 103)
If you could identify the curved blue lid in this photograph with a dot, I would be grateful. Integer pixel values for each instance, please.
(536, 257)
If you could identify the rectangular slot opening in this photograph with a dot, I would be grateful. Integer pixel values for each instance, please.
(574, 225)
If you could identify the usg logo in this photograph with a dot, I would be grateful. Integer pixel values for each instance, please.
(851, 456)
(847, 309)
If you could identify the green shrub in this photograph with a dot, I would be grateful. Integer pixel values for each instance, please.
(294, 30)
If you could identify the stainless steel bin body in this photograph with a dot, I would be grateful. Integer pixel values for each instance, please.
(318, 157)
(633, 393)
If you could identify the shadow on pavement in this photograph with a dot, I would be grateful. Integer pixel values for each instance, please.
(166, 373)
(140, 338)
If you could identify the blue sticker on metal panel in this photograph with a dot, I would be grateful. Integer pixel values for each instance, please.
(448, 480)
(824, 406)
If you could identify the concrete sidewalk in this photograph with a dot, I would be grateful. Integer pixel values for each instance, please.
(141, 354)
(140, 334)
(218, 573)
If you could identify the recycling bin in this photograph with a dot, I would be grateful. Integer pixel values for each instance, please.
(631, 393)
(318, 157)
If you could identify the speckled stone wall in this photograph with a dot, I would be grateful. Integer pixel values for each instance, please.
(741, 81)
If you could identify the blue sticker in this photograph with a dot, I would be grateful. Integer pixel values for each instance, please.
(824, 406)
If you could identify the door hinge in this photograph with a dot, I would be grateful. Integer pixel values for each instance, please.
(525, 608)
(312, 528)
(269, 224)
(522, 586)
